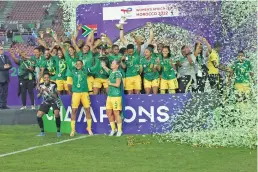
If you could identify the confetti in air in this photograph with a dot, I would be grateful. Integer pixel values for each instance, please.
(207, 120)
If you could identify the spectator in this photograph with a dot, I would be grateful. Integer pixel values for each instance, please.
(5, 65)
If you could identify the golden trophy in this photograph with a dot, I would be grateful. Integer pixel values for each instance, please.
(103, 47)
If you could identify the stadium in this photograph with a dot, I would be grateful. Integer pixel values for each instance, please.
(133, 86)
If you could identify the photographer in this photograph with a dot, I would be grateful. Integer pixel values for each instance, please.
(26, 77)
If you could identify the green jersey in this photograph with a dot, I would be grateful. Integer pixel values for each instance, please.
(242, 70)
(80, 83)
(132, 65)
(156, 55)
(87, 59)
(50, 66)
(167, 70)
(61, 68)
(38, 62)
(23, 72)
(114, 91)
(97, 69)
(147, 66)
(71, 60)
(116, 57)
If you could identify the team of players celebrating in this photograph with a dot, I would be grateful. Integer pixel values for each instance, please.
(98, 66)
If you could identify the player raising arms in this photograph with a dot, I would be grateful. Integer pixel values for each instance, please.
(80, 93)
(114, 99)
(48, 91)
(85, 54)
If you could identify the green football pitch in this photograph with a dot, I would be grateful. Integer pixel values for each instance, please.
(110, 154)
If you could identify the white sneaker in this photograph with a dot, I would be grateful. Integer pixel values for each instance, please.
(119, 133)
(23, 108)
(112, 133)
(33, 107)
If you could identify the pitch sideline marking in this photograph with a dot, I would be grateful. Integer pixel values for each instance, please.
(35, 147)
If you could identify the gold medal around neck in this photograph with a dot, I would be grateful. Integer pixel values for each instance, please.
(78, 85)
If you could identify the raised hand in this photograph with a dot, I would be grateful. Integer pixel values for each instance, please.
(79, 27)
(204, 39)
(149, 24)
(94, 29)
(41, 34)
(55, 36)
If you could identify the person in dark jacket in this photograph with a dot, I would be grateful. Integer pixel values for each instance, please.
(5, 66)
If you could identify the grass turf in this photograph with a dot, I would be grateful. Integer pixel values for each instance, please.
(111, 154)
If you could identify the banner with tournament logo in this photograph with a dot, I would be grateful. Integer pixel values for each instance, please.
(144, 114)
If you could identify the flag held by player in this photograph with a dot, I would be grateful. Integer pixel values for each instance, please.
(87, 29)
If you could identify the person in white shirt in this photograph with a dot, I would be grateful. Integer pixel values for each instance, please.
(186, 70)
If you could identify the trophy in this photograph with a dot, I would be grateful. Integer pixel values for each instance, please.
(103, 47)
(41, 34)
(121, 22)
(49, 31)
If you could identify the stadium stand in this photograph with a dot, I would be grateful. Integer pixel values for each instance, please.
(28, 11)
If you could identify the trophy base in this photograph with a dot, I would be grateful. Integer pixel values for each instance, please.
(103, 58)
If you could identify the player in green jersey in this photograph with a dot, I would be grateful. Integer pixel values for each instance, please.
(150, 72)
(49, 65)
(243, 74)
(132, 75)
(114, 98)
(26, 77)
(115, 55)
(61, 68)
(80, 93)
(85, 54)
(168, 72)
(37, 60)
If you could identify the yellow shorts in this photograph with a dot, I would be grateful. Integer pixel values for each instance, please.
(114, 103)
(243, 88)
(133, 83)
(61, 85)
(69, 80)
(98, 82)
(150, 84)
(171, 84)
(90, 81)
(78, 98)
